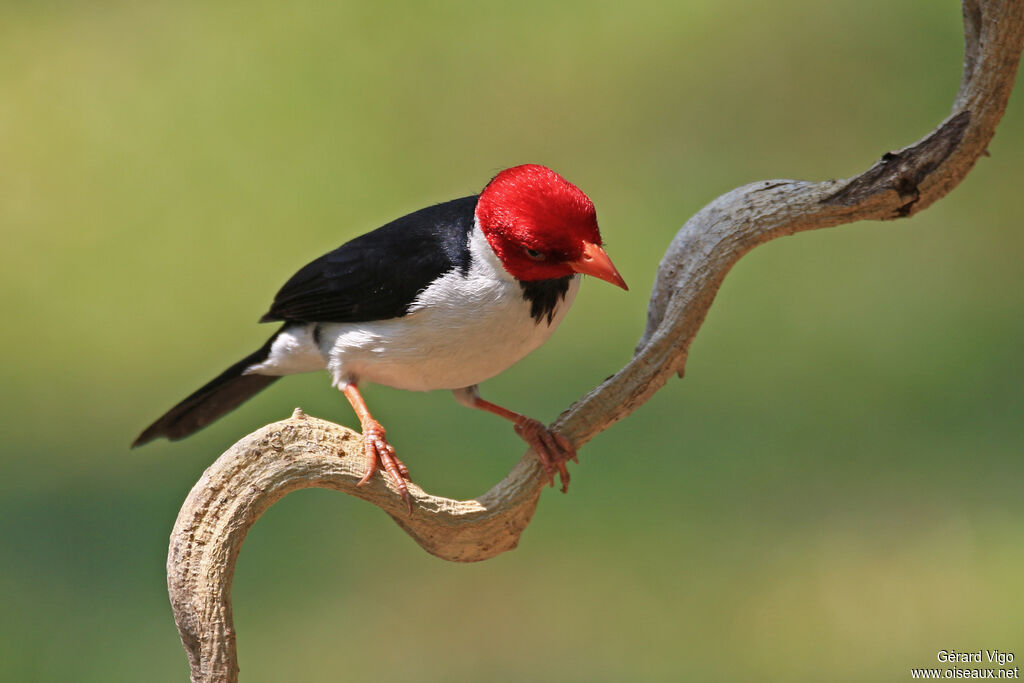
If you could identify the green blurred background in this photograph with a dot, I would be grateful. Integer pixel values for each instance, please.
(833, 493)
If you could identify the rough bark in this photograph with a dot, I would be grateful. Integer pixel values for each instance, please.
(304, 452)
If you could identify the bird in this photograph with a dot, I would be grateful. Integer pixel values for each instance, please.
(443, 298)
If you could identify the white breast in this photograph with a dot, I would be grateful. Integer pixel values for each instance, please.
(460, 331)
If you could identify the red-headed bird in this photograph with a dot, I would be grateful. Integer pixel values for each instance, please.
(443, 298)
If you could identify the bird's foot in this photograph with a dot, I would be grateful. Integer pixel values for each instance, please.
(552, 448)
(379, 453)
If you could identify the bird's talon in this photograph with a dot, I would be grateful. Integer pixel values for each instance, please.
(381, 455)
(563, 473)
(553, 449)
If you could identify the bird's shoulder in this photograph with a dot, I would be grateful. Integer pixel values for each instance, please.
(378, 275)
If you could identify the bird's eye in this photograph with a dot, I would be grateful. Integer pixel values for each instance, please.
(534, 254)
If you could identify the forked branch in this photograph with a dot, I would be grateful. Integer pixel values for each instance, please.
(304, 452)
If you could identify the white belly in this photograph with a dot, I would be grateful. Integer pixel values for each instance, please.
(464, 331)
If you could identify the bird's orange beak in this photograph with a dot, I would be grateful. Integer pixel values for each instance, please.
(595, 261)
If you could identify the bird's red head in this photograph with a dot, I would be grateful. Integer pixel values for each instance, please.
(542, 226)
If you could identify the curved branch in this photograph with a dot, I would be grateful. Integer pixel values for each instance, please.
(304, 452)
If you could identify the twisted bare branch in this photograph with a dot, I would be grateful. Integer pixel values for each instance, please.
(304, 452)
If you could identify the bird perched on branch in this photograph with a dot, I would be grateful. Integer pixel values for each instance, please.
(443, 298)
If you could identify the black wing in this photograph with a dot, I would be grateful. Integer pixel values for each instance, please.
(378, 275)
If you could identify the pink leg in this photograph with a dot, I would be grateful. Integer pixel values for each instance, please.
(378, 451)
(553, 449)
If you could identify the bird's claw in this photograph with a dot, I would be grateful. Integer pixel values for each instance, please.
(380, 453)
(553, 449)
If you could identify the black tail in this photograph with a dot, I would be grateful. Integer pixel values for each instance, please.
(223, 394)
